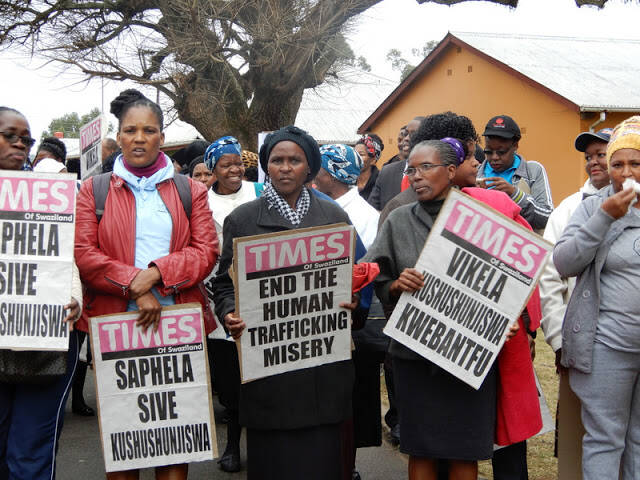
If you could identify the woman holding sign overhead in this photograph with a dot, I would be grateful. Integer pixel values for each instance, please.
(293, 419)
(33, 384)
(441, 417)
(148, 247)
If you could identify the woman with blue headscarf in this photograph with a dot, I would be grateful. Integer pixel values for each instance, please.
(223, 158)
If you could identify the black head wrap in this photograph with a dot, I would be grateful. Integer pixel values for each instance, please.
(55, 146)
(298, 136)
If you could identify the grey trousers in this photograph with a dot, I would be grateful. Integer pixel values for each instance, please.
(610, 397)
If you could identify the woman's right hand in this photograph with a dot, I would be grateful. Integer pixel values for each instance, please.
(234, 324)
(617, 204)
(409, 280)
(148, 311)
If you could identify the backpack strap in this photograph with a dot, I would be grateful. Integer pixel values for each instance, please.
(184, 191)
(100, 191)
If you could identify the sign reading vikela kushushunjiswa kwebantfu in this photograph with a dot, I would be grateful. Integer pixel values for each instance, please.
(289, 286)
(37, 228)
(154, 395)
(480, 268)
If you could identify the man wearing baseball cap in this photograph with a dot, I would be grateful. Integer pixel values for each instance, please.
(524, 181)
(555, 292)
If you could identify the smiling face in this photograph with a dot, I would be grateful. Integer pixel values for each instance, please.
(412, 126)
(140, 136)
(435, 182)
(288, 169)
(229, 171)
(596, 164)
(13, 155)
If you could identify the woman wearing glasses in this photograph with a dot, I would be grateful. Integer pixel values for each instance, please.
(441, 417)
(31, 414)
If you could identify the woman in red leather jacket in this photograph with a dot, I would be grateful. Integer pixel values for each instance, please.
(145, 252)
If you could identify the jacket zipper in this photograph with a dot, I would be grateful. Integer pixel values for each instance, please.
(119, 285)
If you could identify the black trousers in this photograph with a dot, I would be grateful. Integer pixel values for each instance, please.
(510, 463)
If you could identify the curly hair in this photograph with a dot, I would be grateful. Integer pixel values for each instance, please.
(446, 124)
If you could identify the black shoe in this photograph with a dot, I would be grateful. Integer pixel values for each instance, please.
(82, 409)
(395, 434)
(230, 462)
(355, 475)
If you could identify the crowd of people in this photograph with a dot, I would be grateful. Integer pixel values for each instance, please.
(164, 235)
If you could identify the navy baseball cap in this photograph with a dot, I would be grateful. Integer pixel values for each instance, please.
(585, 138)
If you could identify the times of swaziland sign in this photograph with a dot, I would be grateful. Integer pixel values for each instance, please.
(480, 268)
(289, 286)
(37, 228)
(154, 395)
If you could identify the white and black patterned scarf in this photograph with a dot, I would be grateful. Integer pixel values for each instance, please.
(275, 200)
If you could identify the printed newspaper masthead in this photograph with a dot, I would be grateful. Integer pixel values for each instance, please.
(154, 395)
(37, 229)
(480, 268)
(289, 286)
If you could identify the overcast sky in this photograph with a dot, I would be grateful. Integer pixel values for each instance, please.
(43, 94)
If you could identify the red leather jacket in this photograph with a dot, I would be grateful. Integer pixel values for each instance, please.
(105, 251)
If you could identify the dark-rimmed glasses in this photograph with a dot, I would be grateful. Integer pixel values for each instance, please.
(422, 168)
(13, 138)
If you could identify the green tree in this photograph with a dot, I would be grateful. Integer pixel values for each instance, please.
(404, 66)
(226, 65)
(70, 123)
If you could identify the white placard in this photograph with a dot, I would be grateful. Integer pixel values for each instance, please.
(37, 229)
(288, 289)
(154, 395)
(480, 268)
(91, 147)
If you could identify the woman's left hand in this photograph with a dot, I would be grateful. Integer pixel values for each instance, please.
(513, 329)
(149, 310)
(355, 299)
(144, 281)
(74, 312)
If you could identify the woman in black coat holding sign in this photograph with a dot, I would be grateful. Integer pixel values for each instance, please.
(293, 419)
(441, 417)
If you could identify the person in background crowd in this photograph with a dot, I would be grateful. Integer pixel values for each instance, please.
(183, 157)
(427, 396)
(524, 181)
(369, 147)
(110, 150)
(223, 158)
(32, 414)
(341, 166)
(400, 155)
(337, 178)
(556, 290)
(391, 180)
(145, 252)
(51, 156)
(200, 173)
(294, 420)
(601, 332)
(250, 160)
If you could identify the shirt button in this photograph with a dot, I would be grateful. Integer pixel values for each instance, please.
(576, 327)
(586, 294)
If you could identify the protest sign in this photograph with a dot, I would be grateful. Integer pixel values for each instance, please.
(154, 397)
(288, 289)
(480, 268)
(37, 228)
(91, 147)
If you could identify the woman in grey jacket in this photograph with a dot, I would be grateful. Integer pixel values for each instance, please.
(601, 330)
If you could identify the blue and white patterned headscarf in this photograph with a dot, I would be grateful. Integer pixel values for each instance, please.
(342, 162)
(221, 147)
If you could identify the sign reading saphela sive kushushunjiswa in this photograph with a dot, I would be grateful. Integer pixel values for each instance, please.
(289, 286)
(154, 398)
(37, 227)
(480, 268)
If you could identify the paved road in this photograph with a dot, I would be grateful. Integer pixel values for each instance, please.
(80, 454)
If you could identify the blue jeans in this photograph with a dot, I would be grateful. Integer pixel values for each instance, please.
(31, 419)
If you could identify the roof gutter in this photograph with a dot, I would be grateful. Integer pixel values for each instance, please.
(610, 109)
(603, 117)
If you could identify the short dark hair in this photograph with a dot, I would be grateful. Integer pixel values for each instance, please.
(445, 151)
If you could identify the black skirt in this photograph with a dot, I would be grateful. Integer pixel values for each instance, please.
(312, 453)
(441, 416)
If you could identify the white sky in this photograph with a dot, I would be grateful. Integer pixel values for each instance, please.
(44, 93)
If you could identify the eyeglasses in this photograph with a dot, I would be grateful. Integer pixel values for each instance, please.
(499, 153)
(422, 168)
(13, 138)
